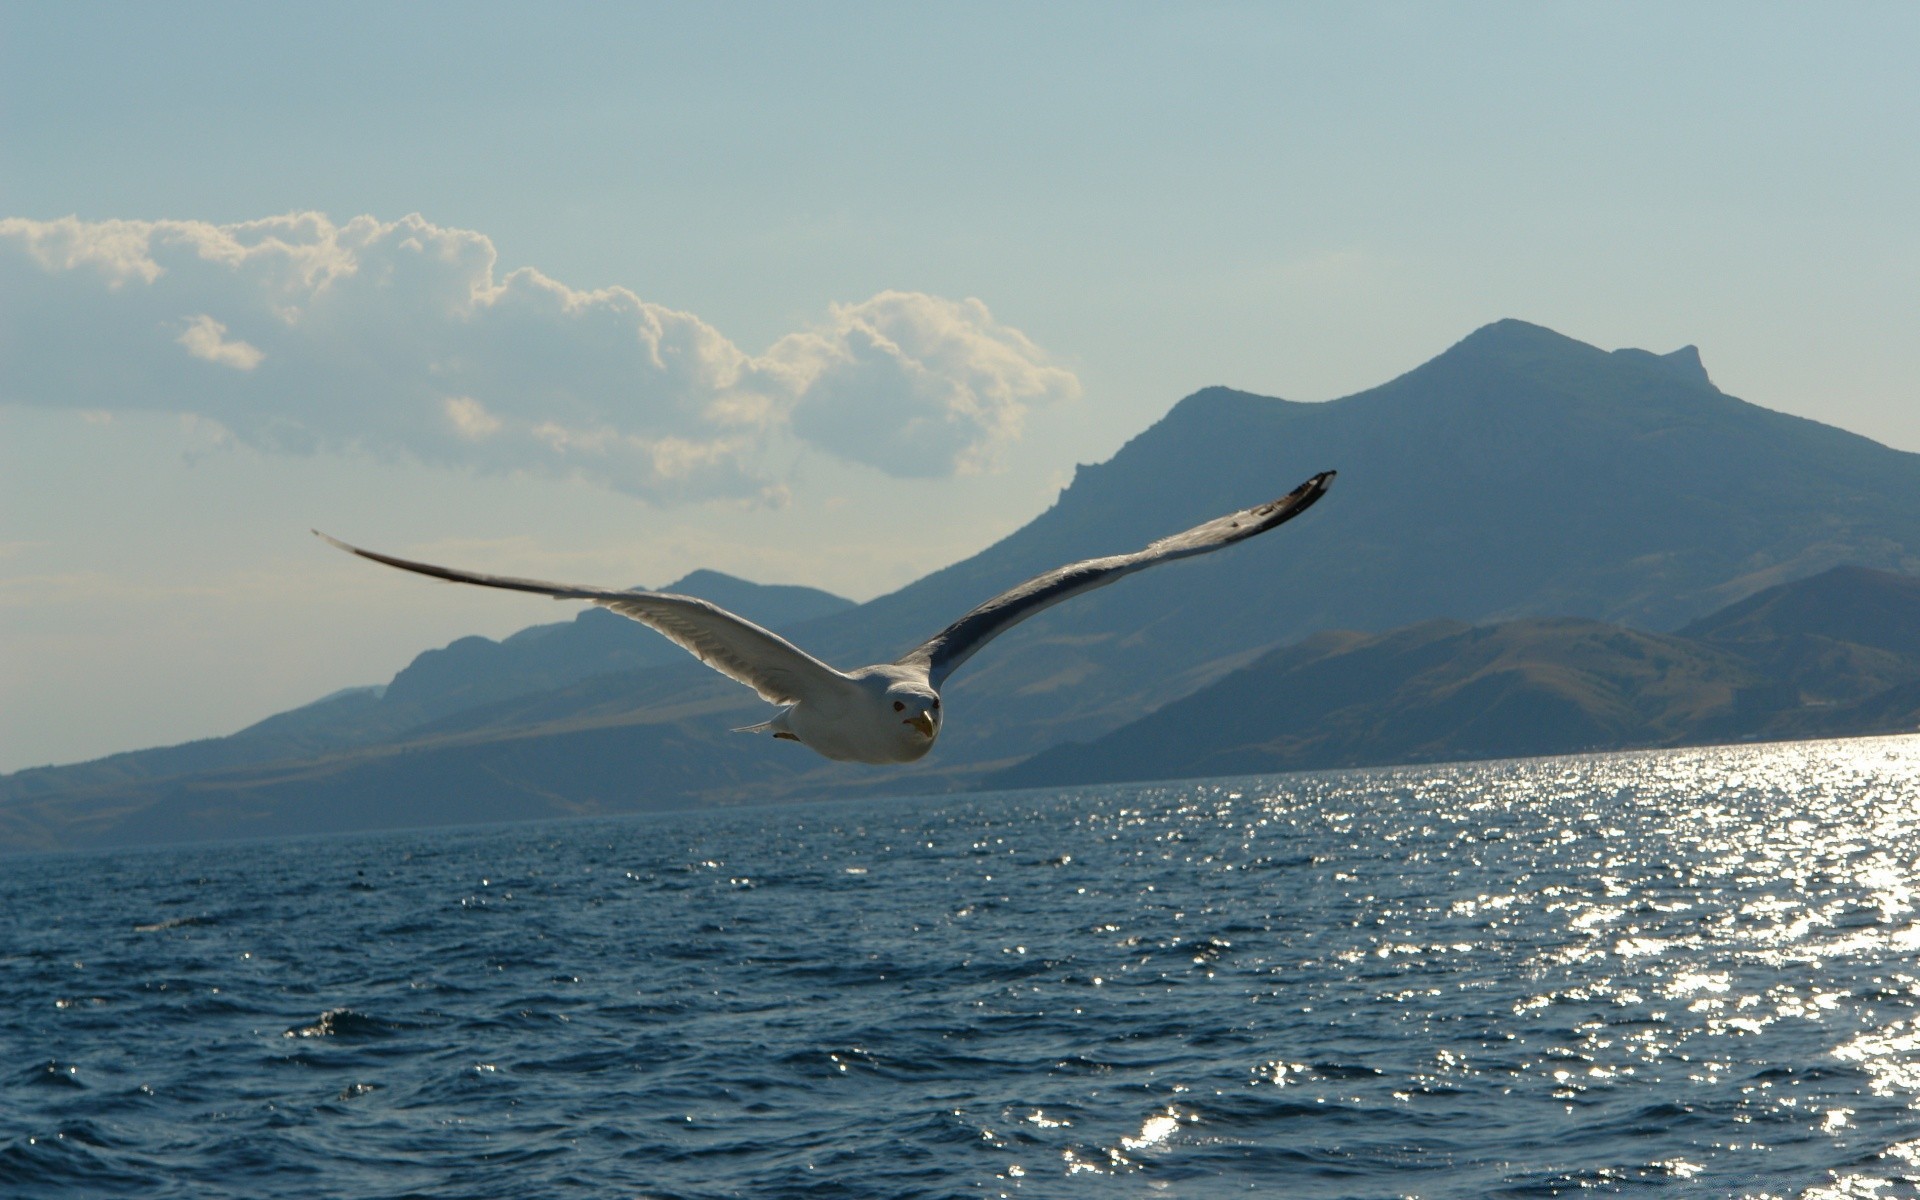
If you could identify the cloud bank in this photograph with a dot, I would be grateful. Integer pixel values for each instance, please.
(401, 338)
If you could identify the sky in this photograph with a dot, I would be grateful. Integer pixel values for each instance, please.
(831, 294)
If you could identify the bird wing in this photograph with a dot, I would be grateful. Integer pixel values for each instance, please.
(942, 653)
(766, 662)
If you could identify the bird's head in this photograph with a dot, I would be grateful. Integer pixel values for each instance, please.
(917, 709)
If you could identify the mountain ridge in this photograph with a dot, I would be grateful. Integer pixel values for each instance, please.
(1448, 691)
(1520, 473)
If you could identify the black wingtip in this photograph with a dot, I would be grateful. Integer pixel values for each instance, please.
(1310, 491)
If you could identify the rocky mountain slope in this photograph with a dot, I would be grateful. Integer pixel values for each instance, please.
(1833, 655)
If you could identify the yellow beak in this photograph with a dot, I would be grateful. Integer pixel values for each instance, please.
(923, 722)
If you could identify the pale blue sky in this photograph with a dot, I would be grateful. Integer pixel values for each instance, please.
(1296, 200)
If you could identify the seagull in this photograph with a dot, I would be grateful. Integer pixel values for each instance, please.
(886, 712)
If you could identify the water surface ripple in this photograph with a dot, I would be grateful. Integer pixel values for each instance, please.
(1692, 973)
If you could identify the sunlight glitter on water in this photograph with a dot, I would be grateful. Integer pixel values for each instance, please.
(1788, 861)
(1691, 926)
(1691, 972)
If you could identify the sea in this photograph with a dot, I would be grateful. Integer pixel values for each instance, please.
(1684, 973)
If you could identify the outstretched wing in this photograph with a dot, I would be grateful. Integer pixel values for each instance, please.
(766, 662)
(942, 653)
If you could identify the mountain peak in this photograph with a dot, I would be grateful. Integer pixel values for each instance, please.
(765, 603)
(1510, 334)
(1507, 337)
(1683, 363)
(1219, 398)
(692, 583)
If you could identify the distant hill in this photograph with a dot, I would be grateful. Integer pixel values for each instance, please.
(1848, 604)
(1519, 474)
(475, 670)
(1835, 654)
(464, 676)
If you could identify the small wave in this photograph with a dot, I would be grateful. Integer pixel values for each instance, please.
(53, 1074)
(73, 1160)
(1204, 950)
(68, 1002)
(172, 923)
(344, 1023)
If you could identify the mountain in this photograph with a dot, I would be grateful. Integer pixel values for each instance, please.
(1519, 474)
(464, 676)
(1835, 654)
(475, 670)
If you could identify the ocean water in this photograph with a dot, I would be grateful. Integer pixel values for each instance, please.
(1690, 973)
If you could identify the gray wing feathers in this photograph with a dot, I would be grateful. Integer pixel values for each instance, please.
(766, 662)
(779, 671)
(945, 651)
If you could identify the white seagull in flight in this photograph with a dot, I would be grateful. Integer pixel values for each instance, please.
(887, 712)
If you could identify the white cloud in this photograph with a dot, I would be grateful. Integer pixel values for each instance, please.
(116, 250)
(470, 418)
(205, 338)
(917, 385)
(400, 337)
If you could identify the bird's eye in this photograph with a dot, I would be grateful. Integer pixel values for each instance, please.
(899, 707)
(936, 706)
